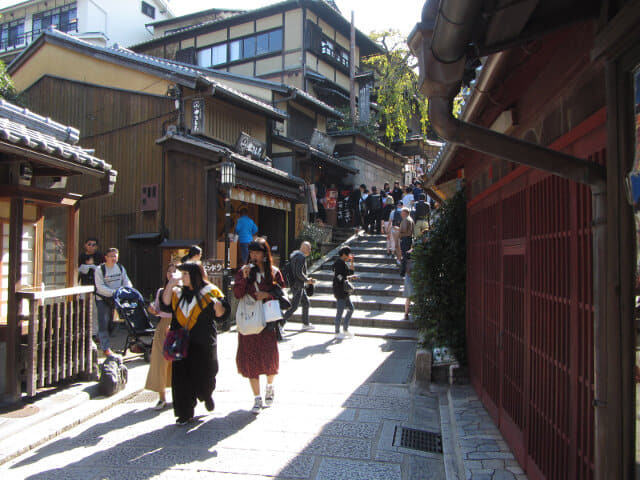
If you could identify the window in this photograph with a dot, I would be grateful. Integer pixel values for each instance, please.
(249, 47)
(335, 53)
(235, 50)
(243, 48)
(212, 56)
(148, 10)
(63, 18)
(12, 34)
(219, 54)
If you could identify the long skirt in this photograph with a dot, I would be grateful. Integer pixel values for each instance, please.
(258, 354)
(159, 375)
(194, 378)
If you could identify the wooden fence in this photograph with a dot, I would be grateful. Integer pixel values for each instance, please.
(58, 336)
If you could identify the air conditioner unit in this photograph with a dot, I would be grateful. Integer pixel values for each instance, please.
(149, 198)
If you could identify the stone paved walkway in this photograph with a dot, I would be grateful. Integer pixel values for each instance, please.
(484, 453)
(337, 408)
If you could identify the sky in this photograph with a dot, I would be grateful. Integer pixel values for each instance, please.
(369, 14)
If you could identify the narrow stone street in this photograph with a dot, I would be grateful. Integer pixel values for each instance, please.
(337, 409)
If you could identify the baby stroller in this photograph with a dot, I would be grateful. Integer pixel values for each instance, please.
(130, 307)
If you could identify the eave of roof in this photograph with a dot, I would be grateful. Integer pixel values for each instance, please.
(301, 95)
(169, 21)
(174, 71)
(12, 132)
(348, 133)
(367, 46)
(239, 159)
(314, 152)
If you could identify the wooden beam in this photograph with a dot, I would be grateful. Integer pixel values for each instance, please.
(12, 390)
(73, 242)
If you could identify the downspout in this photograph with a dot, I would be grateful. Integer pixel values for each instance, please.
(442, 58)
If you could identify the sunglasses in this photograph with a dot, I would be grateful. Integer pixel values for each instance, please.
(91, 244)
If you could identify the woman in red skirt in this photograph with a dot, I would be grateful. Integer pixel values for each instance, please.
(258, 354)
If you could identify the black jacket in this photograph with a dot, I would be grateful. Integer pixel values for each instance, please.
(298, 269)
(340, 273)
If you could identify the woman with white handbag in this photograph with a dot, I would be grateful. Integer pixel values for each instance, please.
(256, 319)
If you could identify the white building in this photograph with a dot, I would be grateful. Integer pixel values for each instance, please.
(103, 22)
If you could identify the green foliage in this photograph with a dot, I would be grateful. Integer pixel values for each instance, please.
(396, 87)
(7, 89)
(439, 276)
(315, 235)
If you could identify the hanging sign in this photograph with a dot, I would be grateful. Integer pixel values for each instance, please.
(197, 116)
(251, 147)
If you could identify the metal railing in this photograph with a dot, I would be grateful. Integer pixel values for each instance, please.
(58, 335)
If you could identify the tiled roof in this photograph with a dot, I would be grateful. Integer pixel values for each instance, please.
(39, 139)
(167, 66)
(319, 103)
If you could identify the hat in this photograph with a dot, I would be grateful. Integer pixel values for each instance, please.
(257, 247)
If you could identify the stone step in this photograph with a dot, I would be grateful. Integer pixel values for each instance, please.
(373, 289)
(370, 258)
(364, 277)
(361, 302)
(370, 243)
(361, 318)
(380, 268)
(368, 250)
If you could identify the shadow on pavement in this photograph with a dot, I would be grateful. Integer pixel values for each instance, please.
(148, 454)
(318, 349)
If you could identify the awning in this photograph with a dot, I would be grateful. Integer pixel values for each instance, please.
(300, 146)
(261, 199)
(177, 243)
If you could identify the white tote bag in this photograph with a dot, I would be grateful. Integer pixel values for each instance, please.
(272, 312)
(250, 316)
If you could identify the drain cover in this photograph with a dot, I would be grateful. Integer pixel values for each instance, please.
(417, 440)
(144, 397)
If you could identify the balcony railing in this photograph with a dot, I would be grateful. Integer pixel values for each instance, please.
(58, 339)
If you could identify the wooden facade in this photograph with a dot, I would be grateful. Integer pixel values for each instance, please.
(313, 38)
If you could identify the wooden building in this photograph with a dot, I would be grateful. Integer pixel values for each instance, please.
(39, 221)
(167, 128)
(305, 46)
(546, 140)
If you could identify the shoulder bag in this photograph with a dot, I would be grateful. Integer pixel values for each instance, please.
(250, 315)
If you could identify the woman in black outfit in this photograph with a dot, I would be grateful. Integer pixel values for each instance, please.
(342, 273)
(195, 306)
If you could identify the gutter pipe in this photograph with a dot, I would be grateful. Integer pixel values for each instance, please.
(440, 43)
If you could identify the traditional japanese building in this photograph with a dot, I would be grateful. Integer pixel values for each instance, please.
(545, 142)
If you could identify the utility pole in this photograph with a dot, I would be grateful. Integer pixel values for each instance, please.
(352, 71)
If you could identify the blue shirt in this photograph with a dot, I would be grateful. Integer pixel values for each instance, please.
(246, 229)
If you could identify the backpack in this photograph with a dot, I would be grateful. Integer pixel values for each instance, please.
(375, 202)
(113, 376)
(397, 219)
(287, 273)
(421, 210)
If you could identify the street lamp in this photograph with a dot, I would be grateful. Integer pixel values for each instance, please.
(227, 181)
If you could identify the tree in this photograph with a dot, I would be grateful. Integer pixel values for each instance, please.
(396, 87)
(7, 88)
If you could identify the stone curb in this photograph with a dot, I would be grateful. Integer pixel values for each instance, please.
(459, 462)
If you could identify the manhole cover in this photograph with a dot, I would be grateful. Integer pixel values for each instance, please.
(417, 440)
(25, 411)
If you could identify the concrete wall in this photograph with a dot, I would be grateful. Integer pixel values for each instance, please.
(371, 174)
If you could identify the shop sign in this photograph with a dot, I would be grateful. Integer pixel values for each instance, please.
(251, 147)
(323, 142)
(197, 116)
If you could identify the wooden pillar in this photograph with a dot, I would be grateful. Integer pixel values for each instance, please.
(210, 248)
(13, 325)
(73, 242)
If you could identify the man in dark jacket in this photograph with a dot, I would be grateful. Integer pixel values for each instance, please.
(342, 273)
(396, 193)
(420, 214)
(298, 260)
(374, 205)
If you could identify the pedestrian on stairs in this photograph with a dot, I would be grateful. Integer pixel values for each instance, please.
(298, 260)
(342, 273)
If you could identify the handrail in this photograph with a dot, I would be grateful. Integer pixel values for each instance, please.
(33, 294)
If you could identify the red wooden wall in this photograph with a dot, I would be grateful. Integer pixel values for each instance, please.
(530, 311)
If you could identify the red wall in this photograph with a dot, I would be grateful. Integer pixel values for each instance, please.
(530, 310)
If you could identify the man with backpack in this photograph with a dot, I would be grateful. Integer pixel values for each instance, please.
(109, 277)
(374, 205)
(420, 214)
(298, 279)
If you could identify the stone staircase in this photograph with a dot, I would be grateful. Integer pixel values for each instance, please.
(378, 299)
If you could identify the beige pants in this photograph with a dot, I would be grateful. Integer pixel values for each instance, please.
(421, 225)
(395, 234)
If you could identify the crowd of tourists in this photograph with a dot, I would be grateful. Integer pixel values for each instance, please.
(190, 309)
